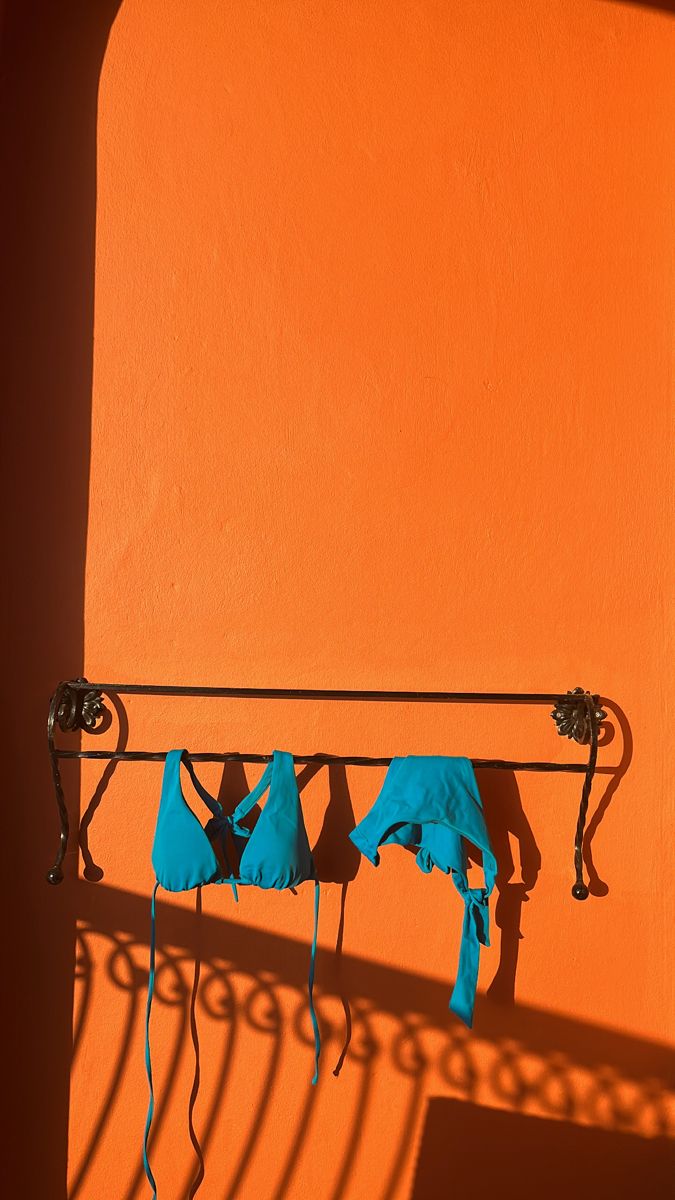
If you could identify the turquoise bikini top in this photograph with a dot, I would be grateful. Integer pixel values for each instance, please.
(274, 854)
(433, 804)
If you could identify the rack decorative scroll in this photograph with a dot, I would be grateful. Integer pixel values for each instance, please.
(78, 705)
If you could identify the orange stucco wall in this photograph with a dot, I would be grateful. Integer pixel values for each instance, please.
(382, 398)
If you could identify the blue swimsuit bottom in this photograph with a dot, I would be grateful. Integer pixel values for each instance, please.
(432, 804)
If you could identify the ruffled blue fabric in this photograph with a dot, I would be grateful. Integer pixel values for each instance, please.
(432, 803)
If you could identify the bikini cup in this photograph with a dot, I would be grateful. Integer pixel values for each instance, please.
(275, 854)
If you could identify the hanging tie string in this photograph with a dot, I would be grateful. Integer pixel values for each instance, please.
(475, 933)
(200, 1167)
(218, 826)
(310, 985)
(148, 1063)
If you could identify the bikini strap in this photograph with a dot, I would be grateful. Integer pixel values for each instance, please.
(219, 822)
(244, 807)
(310, 985)
(196, 1078)
(475, 933)
(148, 1063)
(214, 806)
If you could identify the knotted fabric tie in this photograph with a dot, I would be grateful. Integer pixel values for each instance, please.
(475, 933)
(218, 826)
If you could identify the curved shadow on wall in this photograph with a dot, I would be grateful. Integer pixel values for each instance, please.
(92, 871)
(520, 1059)
(506, 821)
(338, 860)
(597, 886)
(51, 56)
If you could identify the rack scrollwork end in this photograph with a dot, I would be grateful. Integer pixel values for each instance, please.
(71, 708)
(578, 715)
(78, 706)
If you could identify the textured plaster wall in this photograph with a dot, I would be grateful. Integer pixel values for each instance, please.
(382, 397)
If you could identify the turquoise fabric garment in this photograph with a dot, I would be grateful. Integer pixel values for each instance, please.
(274, 854)
(432, 803)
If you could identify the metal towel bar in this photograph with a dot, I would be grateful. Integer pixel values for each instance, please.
(78, 704)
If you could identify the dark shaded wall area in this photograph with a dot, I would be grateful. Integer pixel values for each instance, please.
(51, 56)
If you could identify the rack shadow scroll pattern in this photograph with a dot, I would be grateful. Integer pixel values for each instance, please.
(78, 706)
(542, 1065)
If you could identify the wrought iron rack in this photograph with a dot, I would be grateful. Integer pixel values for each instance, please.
(78, 704)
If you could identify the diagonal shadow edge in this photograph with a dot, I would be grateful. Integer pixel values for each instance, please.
(390, 990)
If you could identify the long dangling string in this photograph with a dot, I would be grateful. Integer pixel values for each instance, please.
(475, 933)
(310, 985)
(148, 1064)
(343, 994)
